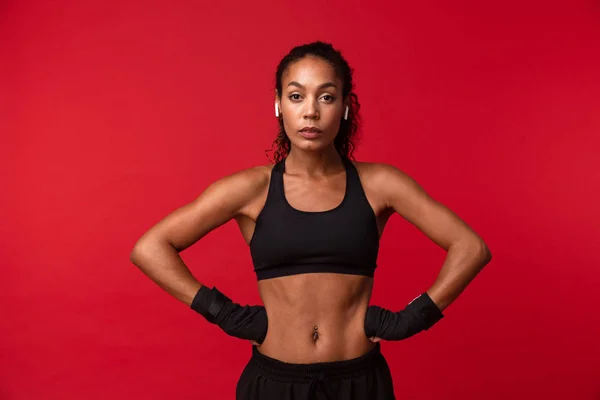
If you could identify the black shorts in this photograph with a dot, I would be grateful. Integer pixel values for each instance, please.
(365, 377)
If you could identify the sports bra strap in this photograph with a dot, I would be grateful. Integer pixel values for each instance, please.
(355, 189)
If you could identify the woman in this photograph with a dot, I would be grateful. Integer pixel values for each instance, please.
(313, 222)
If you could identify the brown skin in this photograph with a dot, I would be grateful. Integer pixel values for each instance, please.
(314, 181)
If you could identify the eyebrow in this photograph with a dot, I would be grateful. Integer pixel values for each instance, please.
(322, 86)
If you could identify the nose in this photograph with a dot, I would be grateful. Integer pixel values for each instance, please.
(311, 110)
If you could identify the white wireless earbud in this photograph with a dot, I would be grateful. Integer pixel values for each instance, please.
(276, 110)
(346, 113)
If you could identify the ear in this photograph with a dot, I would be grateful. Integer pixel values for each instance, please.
(346, 107)
(277, 104)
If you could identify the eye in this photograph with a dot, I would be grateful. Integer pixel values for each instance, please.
(294, 96)
(328, 98)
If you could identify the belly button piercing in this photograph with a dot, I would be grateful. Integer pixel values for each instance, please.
(316, 334)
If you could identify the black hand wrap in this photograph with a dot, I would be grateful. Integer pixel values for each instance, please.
(244, 322)
(420, 314)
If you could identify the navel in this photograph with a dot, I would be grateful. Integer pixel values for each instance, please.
(315, 332)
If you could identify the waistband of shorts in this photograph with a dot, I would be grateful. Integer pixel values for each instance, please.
(279, 370)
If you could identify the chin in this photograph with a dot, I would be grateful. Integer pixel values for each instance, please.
(311, 145)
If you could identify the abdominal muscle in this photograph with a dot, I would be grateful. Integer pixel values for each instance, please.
(336, 304)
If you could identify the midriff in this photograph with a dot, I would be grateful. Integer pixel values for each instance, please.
(334, 303)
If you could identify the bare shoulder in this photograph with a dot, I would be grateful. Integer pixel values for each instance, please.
(389, 183)
(249, 180)
(239, 191)
(404, 195)
(246, 182)
(381, 174)
(244, 192)
(218, 203)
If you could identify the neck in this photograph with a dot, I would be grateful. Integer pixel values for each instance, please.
(313, 163)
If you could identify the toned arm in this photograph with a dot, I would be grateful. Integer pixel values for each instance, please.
(467, 252)
(156, 253)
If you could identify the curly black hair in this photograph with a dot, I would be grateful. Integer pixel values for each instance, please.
(346, 140)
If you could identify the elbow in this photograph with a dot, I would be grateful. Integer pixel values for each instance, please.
(485, 254)
(146, 248)
(139, 251)
(135, 254)
(477, 250)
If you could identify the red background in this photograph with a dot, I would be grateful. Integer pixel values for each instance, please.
(115, 113)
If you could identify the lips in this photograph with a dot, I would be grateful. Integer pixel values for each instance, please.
(310, 132)
(311, 129)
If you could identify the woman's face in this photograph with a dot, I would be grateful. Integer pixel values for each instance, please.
(311, 103)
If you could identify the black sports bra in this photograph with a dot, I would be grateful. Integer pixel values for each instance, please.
(287, 241)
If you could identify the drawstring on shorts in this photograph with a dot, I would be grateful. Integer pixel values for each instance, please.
(317, 375)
